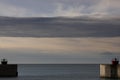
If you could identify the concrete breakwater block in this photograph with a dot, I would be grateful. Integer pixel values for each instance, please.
(110, 70)
(8, 70)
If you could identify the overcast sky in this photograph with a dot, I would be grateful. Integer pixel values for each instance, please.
(92, 38)
(45, 8)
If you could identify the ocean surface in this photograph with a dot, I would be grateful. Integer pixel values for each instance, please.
(57, 72)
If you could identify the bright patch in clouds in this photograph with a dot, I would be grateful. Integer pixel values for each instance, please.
(73, 45)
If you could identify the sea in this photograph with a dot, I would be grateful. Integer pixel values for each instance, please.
(57, 72)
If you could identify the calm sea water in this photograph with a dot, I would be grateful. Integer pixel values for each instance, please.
(58, 72)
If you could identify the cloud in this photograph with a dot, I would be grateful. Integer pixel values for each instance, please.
(7, 9)
(59, 27)
(10, 10)
(110, 55)
(62, 45)
(69, 11)
(99, 9)
(68, 8)
(59, 50)
(105, 8)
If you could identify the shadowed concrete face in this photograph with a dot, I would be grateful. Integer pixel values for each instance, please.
(8, 70)
(109, 71)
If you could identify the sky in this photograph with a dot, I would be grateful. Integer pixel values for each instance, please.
(59, 50)
(85, 31)
(52, 8)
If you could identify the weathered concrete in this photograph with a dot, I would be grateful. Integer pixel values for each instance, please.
(119, 71)
(109, 71)
(8, 70)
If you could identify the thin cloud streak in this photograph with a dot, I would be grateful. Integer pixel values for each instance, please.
(59, 50)
(73, 45)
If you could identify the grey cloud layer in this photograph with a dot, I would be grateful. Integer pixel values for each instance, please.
(59, 27)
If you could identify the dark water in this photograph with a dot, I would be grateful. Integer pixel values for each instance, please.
(58, 72)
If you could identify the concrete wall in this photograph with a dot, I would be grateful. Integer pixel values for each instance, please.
(102, 70)
(105, 70)
(108, 71)
(9, 70)
(119, 71)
